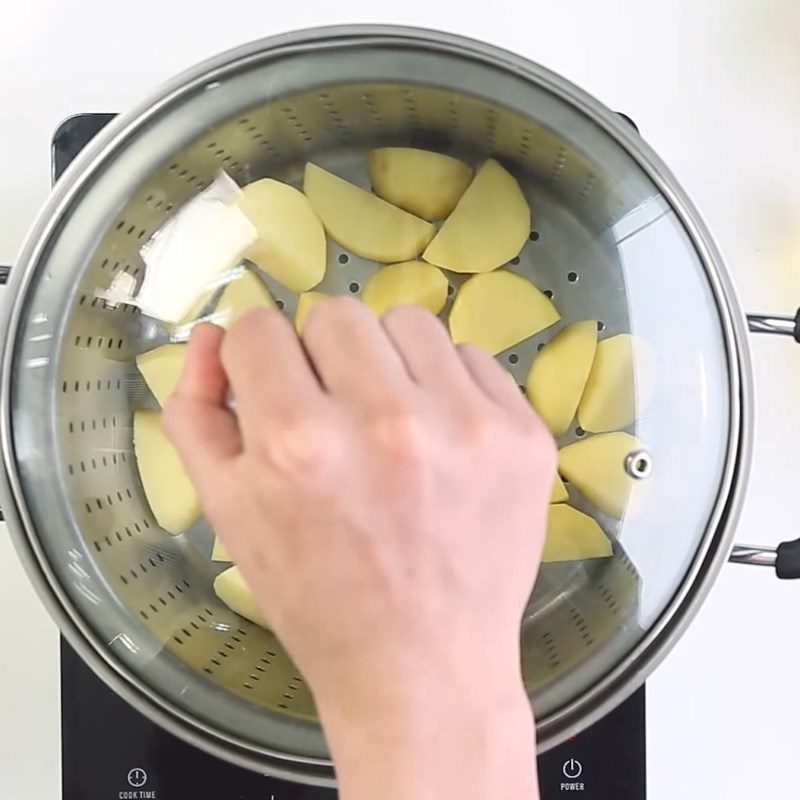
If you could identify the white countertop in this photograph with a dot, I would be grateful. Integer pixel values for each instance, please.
(714, 86)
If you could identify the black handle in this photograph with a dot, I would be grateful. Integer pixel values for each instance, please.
(787, 560)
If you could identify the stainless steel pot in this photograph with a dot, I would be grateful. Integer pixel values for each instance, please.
(614, 238)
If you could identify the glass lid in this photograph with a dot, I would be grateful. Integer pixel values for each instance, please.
(543, 232)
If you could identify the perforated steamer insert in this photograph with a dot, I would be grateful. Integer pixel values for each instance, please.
(109, 748)
(612, 239)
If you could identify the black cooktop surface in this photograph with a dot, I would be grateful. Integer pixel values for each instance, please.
(112, 752)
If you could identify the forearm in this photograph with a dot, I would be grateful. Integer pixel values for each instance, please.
(437, 744)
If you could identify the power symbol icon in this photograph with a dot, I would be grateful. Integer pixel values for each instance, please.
(572, 769)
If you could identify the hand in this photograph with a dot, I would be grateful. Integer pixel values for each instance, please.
(385, 495)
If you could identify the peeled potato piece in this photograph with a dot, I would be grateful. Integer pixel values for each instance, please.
(305, 303)
(169, 492)
(573, 536)
(411, 283)
(499, 309)
(609, 400)
(198, 307)
(595, 466)
(219, 552)
(231, 588)
(559, 493)
(162, 368)
(362, 222)
(488, 227)
(421, 182)
(240, 296)
(291, 241)
(558, 375)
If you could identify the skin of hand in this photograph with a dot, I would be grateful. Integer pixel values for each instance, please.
(385, 495)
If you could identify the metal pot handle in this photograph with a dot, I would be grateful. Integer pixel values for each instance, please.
(772, 323)
(785, 558)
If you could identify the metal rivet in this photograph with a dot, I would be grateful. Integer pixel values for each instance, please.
(639, 464)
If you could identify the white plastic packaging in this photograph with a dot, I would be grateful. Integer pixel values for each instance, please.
(188, 254)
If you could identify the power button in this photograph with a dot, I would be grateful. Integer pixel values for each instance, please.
(572, 769)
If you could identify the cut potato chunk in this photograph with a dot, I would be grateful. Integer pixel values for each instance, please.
(499, 309)
(291, 241)
(231, 588)
(362, 222)
(240, 296)
(162, 368)
(558, 375)
(609, 401)
(305, 303)
(596, 468)
(199, 306)
(412, 283)
(421, 182)
(573, 536)
(169, 491)
(559, 493)
(488, 228)
(219, 552)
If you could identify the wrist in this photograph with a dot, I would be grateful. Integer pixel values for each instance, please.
(466, 735)
(405, 699)
(402, 678)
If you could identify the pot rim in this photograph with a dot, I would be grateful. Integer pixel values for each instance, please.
(711, 554)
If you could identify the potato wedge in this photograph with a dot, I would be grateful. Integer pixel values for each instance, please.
(305, 303)
(488, 227)
(240, 296)
(199, 305)
(363, 223)
(219, 552)
(559, 372)
(422, 182)
(291, 243)
(595, 466)
(573, 536)
(169, 491)
(498, 309)
(609, 400)
(231, 587)
(162, 368)
(559, 493)
(410, 283)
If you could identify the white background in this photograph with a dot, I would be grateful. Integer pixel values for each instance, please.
(715, 87)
